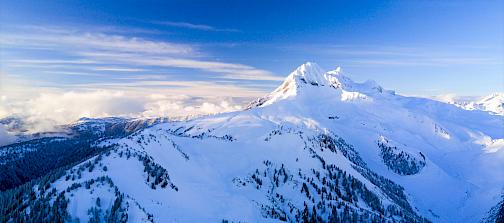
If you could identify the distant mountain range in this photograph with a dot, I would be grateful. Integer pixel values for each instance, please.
(319, 148)
(493, 103)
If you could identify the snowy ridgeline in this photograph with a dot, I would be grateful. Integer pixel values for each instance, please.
(306, 152)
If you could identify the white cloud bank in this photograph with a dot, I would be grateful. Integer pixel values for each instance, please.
(48, 110)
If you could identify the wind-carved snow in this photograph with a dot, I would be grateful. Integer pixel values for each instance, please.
(354, 96)
(310, 150)
(492, 145)
(489, 144)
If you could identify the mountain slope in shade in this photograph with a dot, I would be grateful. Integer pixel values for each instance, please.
(319, 148)
(34, 155)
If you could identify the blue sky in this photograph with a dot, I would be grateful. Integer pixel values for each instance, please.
(245, 48)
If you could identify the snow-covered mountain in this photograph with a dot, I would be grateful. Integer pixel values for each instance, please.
(493, 103)
(318, 148)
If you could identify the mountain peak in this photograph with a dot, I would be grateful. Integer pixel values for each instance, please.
(308, 73)
(312, 74)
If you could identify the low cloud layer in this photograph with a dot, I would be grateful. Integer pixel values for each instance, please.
(163, 106)
(48, 110)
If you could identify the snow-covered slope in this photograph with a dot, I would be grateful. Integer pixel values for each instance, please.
(320, 147)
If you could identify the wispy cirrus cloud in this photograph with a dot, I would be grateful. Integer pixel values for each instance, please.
(187, 25)
(432, 61)
(400, 56)
(226, 70)
(118, 69)
(115, 53)
(86, 40)
(50, 61)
